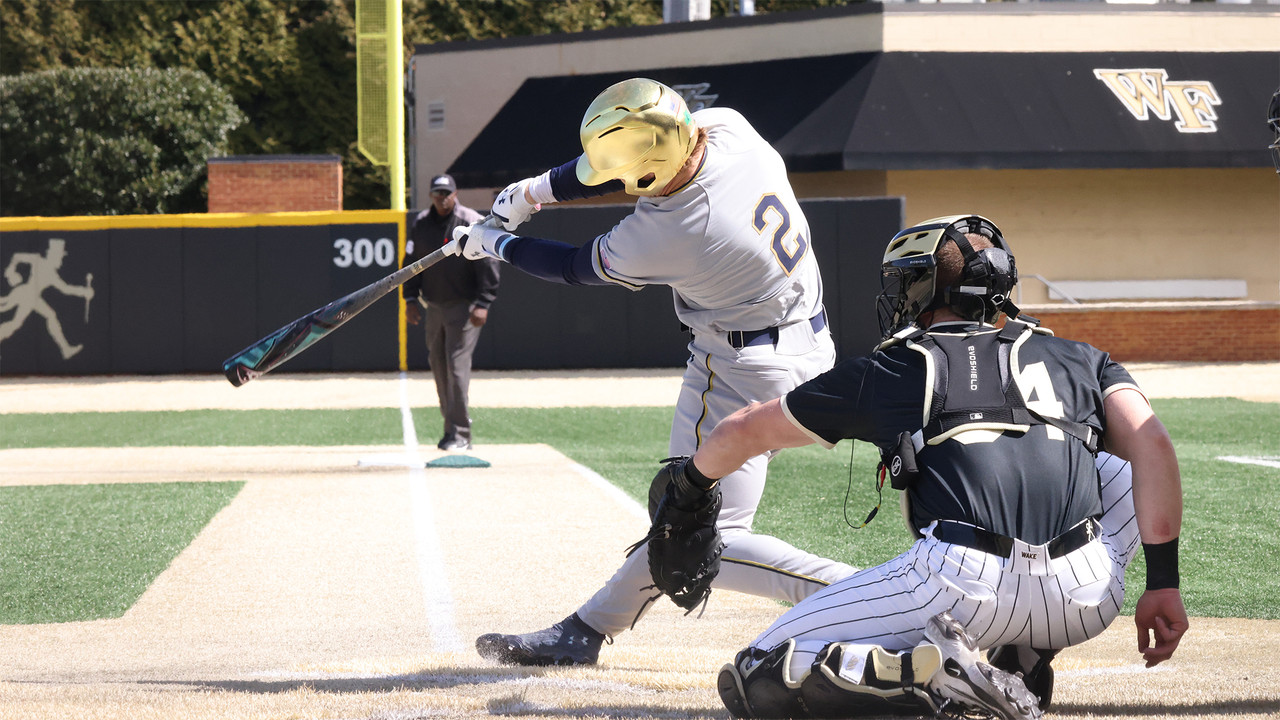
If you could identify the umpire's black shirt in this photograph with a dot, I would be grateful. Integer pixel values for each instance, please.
(1032, 486)
(454, 279)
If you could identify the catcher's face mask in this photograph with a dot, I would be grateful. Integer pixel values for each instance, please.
(907, 277)
(908, 273)
(638, 131)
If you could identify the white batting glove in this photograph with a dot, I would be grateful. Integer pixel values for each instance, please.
(513, 207)
(481, 240)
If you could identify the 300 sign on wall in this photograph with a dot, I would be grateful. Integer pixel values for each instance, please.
(364, 252)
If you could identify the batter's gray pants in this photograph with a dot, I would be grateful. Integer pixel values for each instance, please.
(719, 379)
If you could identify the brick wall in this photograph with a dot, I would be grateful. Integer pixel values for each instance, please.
(1171, 331)
(275, 183)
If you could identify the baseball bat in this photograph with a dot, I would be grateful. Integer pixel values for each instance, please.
(273, 350)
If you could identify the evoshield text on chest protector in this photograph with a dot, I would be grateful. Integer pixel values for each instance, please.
(972, 388)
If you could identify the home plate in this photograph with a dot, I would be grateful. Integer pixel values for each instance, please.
(407, 460)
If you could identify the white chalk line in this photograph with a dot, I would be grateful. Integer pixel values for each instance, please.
(1122, 670)
(627, 502)
(435, 583)
(1265, 461)
(449, 679)
(437, 597)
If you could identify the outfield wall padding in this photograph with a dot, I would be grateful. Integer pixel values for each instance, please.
(180, 294)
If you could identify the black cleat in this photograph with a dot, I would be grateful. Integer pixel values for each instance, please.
(732, 694)
(453, 443)
(1038, 677)
(569, 642)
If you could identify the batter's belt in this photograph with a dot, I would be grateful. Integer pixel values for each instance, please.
(994, 544)
(739, 339)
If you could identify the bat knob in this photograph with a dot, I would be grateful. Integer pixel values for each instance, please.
(238, 374)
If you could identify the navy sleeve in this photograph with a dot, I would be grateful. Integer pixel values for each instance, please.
(566, 186)
(552, 260)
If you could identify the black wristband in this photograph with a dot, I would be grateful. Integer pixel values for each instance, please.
(1162, 564)
(702, 482)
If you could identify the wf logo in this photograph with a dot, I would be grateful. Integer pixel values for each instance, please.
(696, 96)
(1149, 90)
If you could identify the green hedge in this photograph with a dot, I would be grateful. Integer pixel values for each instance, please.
(109, 141)
(291, 65)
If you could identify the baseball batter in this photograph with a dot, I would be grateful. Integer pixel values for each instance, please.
(1023, 536)
(717, 221)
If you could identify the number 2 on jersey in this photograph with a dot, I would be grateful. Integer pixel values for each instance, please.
(780, 221)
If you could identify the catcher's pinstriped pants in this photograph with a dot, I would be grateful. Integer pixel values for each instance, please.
(1042, 602)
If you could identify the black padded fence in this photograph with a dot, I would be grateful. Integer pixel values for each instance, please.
(93, 296)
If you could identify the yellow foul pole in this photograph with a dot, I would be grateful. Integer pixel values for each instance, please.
(395, 144)
(380, 108)
(395, 101)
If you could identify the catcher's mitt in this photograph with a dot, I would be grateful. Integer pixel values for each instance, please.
(684, 543)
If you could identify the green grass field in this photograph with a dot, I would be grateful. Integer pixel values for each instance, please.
(84, 552)
(81, 552)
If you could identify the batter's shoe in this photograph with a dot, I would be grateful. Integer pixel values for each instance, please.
(967, 687)
(569, 642)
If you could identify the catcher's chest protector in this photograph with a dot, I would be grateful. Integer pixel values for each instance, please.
(971, 387)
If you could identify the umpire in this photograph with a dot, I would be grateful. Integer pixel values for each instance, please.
(1022, 543)
(456, 294)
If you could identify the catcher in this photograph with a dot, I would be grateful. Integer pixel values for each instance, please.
(1022, 542)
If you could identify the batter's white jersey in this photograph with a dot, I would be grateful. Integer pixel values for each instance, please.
(735, 248)
(733, 244)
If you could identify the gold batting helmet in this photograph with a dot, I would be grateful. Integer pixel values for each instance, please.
(633, 129)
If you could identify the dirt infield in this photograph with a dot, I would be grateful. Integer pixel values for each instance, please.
(340, 585)
(563, 388)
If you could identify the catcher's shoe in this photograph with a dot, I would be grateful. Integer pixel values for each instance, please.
(967, 687)
(758, 684)
(569, 642)
(732, 694)
(1038, 678)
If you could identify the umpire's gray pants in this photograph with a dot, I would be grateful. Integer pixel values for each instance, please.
(451, 340)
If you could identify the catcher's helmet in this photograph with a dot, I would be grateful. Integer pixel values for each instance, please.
(1273, 119)
(908, 274)
(633, 129)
